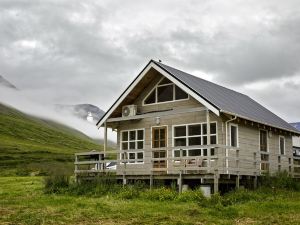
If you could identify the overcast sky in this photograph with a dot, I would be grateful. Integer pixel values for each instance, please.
(89, 51)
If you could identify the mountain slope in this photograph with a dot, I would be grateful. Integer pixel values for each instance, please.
(29, 144)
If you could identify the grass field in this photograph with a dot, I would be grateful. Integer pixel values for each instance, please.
(22, 201)
(29, 144)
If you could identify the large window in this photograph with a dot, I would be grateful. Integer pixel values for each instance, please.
(193, 135)
(132, 141)
(233, 135)
(281, 145)
(165, 91)
(263, 140)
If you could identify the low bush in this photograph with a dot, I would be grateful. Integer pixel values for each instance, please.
(56, 183)
(160, 194)
(192, 196)
(280, 180)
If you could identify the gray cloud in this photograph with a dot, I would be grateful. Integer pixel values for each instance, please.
(75, 51)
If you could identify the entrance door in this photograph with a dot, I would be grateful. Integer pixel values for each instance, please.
(159, 143)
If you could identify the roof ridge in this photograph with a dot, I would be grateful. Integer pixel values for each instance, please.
(229, 89)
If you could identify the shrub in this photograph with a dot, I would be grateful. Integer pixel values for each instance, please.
(160, 194)
(280, 180)
(56, 183)
(129, 192)
(191, 196)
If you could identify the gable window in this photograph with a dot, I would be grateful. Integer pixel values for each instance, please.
(233, 135)
(165, 91)
(193, 135)
(263, 141)
(281, 145)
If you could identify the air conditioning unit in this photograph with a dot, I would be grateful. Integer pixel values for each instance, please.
(129, 110)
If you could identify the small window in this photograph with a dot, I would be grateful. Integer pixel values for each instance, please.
(213, 128)
(233, 136)
(263, 141)
(281, 145)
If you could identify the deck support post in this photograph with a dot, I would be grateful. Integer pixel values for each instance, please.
(180, 182)
(255, 182)
(237, 181)
(151, 181)
(216, 183)
(105, 138)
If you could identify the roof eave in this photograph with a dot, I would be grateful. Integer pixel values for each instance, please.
(256, 121)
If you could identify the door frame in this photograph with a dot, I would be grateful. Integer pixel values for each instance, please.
(160, 149)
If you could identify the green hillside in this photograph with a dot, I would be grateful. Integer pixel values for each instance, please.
(29, 145)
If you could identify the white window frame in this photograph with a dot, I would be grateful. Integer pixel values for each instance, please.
(135, 151)
(156, 94)
(237, 135)
(187, 138)
(280, 136)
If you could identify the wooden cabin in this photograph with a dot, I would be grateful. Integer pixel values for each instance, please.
(175, 126)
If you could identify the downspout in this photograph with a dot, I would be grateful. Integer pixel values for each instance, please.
(226, 141)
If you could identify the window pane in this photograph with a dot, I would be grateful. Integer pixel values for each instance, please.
(131, 155)
(180, 131)
(212, 151)
(204, 152)
(156, 134)
(233, 136)
(125, 136)
(204, 129)
(140, 145)
(176, 153)
(194, 129)
(180, 142)
(213, 140)
(180, 94)
(162, 143)
(162, 134)
(194, 141)
(131, 145)
(151, 98)
(156, 144)
(140, 134)
(195, 152)
(165, 81)
(132, 135)
(204, 140)
(124, 145)
(140, 155)
(213, 128)
(165, 93)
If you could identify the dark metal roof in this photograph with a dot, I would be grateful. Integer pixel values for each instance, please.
(227, 100)
(296, 125)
